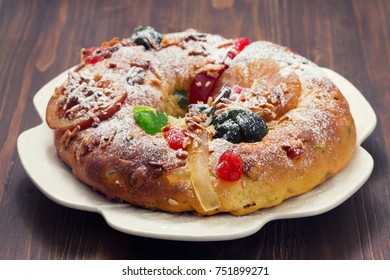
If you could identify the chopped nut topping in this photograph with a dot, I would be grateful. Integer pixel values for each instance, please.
(173, 202)
(182, 154)
(69, 135)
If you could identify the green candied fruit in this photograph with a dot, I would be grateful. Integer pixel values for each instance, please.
(150, 119)
(182, 98)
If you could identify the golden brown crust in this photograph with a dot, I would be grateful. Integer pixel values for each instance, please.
(304, 111)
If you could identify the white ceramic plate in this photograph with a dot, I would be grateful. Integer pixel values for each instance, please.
(54, 179)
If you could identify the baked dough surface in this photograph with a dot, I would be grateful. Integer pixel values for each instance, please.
(311, 133)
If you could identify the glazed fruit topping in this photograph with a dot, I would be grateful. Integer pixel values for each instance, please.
(92, 55)
(150, 119)
(198, 165)
(203, 83)
(293, 152)
(175, 137)
(235, 125)
(240, 125)
(146, 36)
(201, 87)
(239, 44)
(82, 103)
(230, 166)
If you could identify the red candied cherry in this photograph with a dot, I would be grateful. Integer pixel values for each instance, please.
(86, 53)
(241, 43)
(293, 152)
(238, 45)
(90, 55)
(95, 60)
(175, 137)
(230, 166)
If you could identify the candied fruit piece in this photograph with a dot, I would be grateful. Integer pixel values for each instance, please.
(230, 166)
(293, 152)
(240, 125)
(203, 83)
(175, 137)
(201, 88)
(146, 36)
(150, 119)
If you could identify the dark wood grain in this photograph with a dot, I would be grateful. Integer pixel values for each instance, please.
(40, 39)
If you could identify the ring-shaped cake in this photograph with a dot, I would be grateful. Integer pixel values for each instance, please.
(190, 121)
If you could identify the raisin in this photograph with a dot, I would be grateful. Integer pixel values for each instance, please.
(135, 75)
(146, 36)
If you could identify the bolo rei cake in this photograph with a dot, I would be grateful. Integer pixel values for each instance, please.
(190, 121)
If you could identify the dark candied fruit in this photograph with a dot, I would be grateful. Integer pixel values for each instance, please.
(135, 76)
(229, 130)
(182, 98)
(146, 36)
(251, 127)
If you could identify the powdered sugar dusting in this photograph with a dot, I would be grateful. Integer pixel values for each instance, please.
(132, 71)
(288, 61)
(303, 109)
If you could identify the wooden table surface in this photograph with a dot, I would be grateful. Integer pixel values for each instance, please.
(40, 39)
